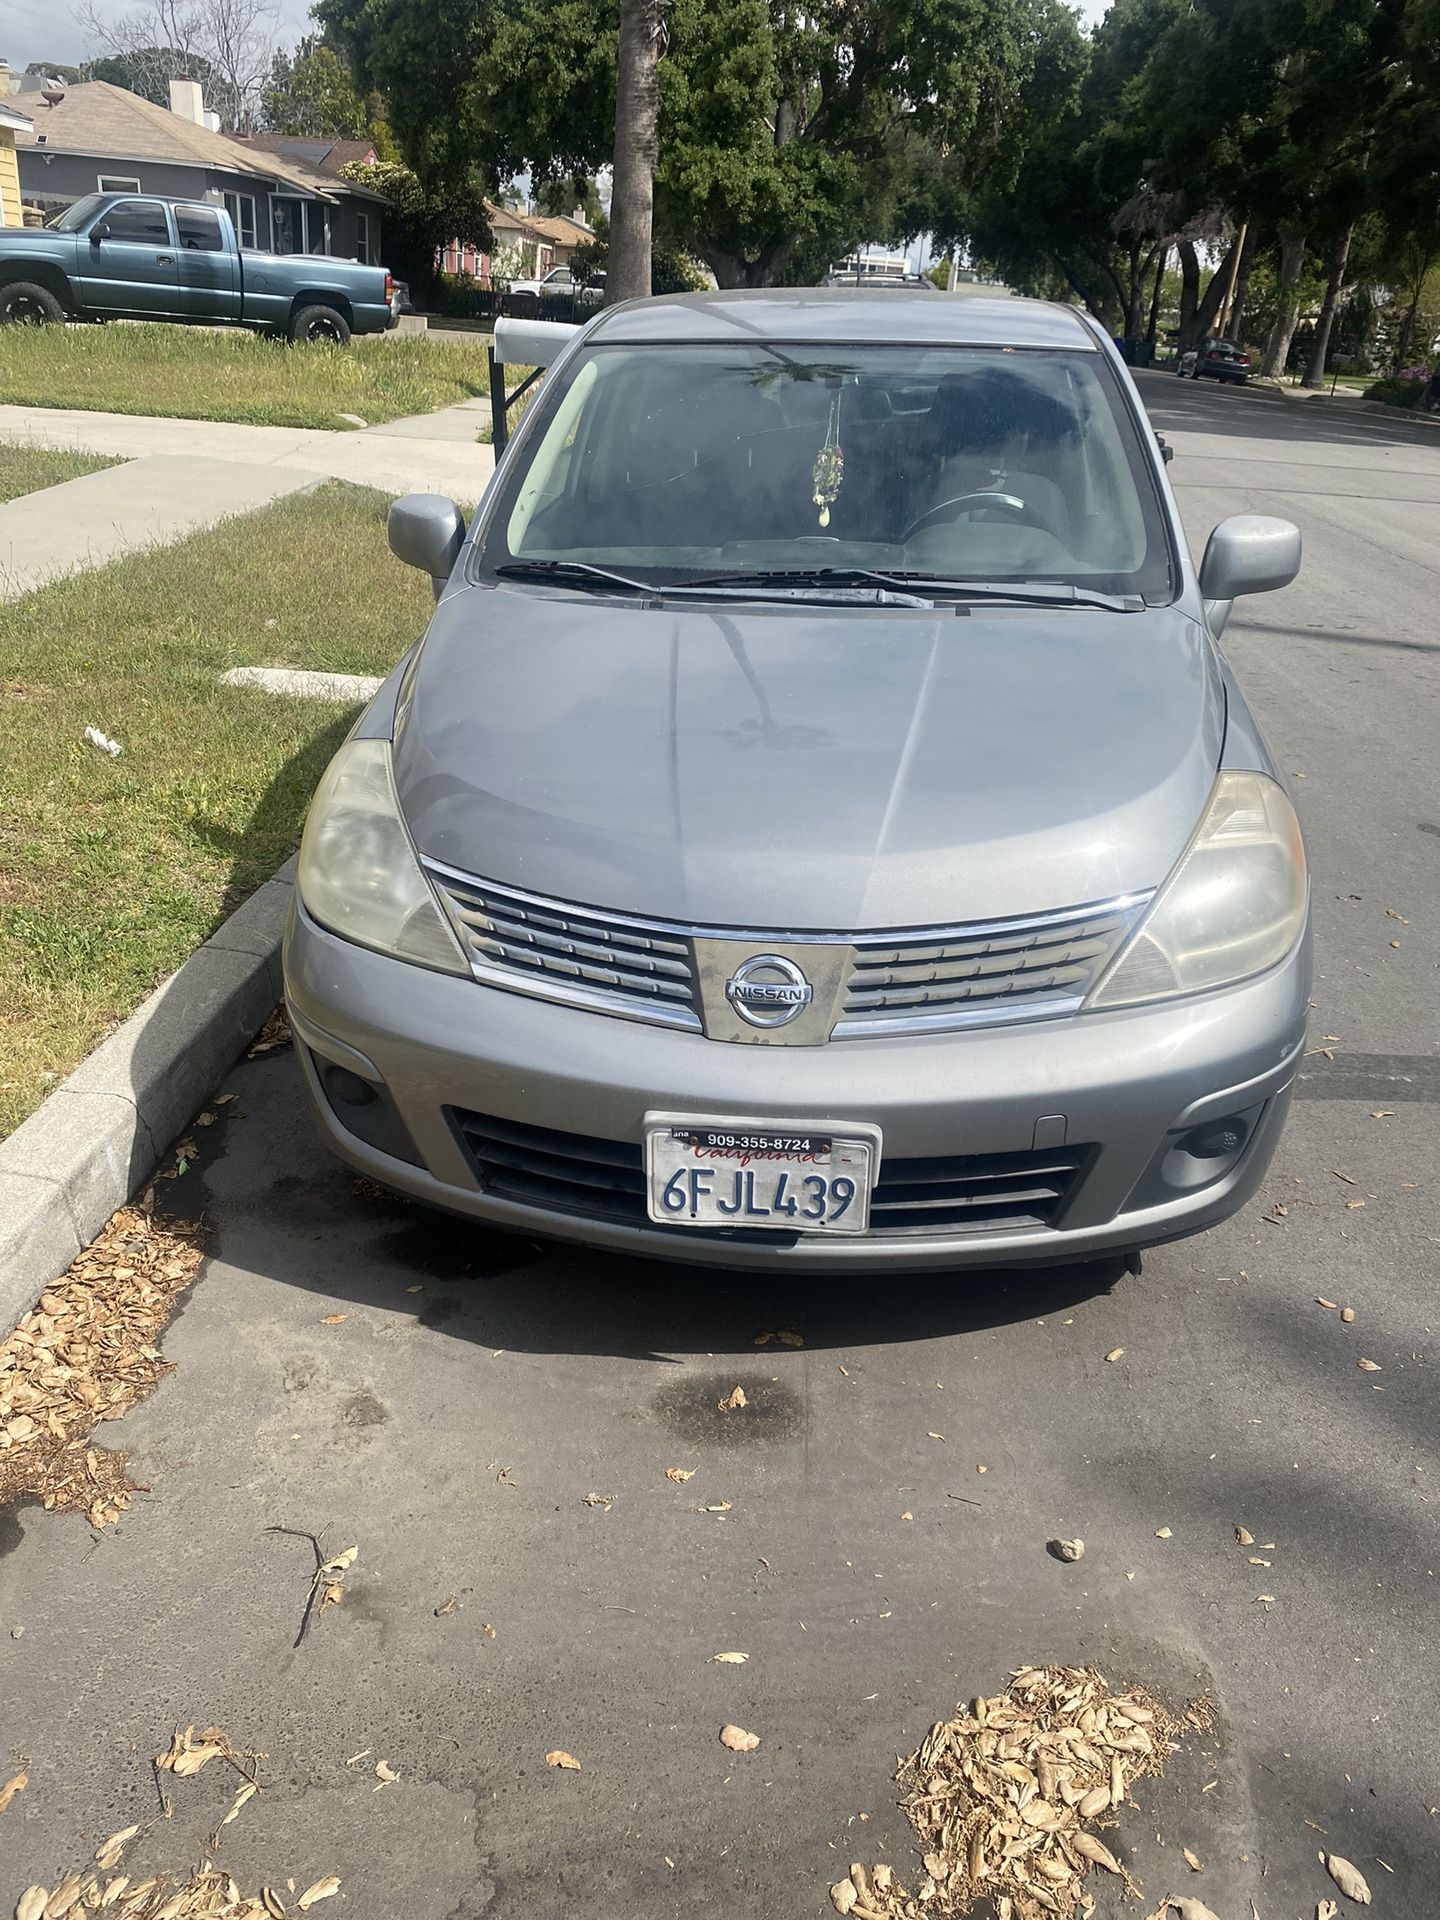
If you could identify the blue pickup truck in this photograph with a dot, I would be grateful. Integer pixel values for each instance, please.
(135, 257)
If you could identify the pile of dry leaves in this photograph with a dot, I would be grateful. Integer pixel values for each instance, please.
(208, 1893)
(1006, 1798)
(87, 1353)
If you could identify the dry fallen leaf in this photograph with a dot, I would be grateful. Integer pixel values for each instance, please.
(32, 1903)
(333, 1319)
(680, 1474)
(731, 1659)
(1244, 1537)
(1369, 1366)
(273, 1904)
(488, 1631)
(447, 1607)
(1068, 1550)
(1115, 1353)
(1329, 1305)
(342, 1561)
(108, 1853)
(558, 1757)
(243, 1796)
(385, 1773)
(1163, 1533)
(733, 1400)
(321, 1890)
(738, 1740)
(719, 1506)
(1192, 1861)
(789, 1338)
(1349, 1879)
(1383, 1113)
(605, 1500)
(1188, 1909)
(1347, 1314)
(907, 1515)
(17, 1783)
(843, 1896)
(1326, 1910)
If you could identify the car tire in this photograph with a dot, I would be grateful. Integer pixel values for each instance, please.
(320, 323)
(24, 303)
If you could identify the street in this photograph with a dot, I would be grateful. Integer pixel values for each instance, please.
(490, 1421)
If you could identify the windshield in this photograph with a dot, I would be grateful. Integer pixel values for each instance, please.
(75, 217)
(982, 463)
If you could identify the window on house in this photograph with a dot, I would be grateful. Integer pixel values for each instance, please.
(241, 209)
(117, 183)
(140, 221)
(199, 229)
(362, 238)
(298, 226)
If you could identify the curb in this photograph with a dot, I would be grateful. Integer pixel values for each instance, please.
(97, 1138)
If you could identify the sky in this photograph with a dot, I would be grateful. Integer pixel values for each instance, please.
(34, 30)
(39, 30)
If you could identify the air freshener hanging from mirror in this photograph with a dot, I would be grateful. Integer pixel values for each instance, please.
(829, 465)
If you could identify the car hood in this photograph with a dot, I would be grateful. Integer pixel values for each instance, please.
(807, 768)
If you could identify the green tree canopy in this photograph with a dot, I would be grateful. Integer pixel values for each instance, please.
(786, 136)
(311, 92)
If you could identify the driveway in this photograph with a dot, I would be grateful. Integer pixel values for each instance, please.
(490, 1421)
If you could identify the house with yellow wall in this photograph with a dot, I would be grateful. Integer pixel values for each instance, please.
(12, 121)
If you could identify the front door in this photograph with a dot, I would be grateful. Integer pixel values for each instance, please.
(127, 264)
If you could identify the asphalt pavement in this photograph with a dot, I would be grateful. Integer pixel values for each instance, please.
(476, 1390)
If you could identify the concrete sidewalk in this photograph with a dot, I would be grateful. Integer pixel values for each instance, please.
(431, 452)
(146, 502)
(182, 475)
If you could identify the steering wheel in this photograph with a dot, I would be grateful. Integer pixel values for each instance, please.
(994, 502)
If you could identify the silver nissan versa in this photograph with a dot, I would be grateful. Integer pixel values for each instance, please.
(819, 828)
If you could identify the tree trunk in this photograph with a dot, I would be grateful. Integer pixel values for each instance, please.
(1277, 347)
(1135, 303)
(1407, 332)
(1189, 292)
(1154, 327)
(1315, 372)
(1242, 283)
(632, 195)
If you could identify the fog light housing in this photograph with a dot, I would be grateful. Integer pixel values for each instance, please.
(1216, 1139)
(364, 1108)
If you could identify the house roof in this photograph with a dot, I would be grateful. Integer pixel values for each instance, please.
(109, 122)
(325, 156)
(560, 228)
(13, 118)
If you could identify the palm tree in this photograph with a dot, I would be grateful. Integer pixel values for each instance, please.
(637, 107)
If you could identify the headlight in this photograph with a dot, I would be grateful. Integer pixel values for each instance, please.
(358, 872)
(1234, 905)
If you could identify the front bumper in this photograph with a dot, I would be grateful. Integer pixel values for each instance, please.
(1125, 1087)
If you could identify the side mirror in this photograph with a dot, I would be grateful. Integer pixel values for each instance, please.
(1248, 553)
(100, 231)
(427, 531)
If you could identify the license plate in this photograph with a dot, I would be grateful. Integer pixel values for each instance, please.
(765, 1174)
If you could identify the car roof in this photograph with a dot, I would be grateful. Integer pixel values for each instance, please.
(846, 314)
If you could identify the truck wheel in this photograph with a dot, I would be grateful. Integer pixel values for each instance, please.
(320, 323)
(22, 303)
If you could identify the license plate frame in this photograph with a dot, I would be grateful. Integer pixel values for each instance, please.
(756, 1151)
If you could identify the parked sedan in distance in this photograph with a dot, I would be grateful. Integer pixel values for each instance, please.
(819, 828)
(1215, 360)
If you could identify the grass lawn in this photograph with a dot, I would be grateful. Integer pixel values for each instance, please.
(188, 373)
(28, 469)
(113, 870)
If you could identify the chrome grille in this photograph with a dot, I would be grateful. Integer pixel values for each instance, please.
(601, 960)
(1010, 970)
(909, 980)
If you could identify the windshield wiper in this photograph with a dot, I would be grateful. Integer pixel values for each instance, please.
(893, 590)
(1039, 593)
(578, 573)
